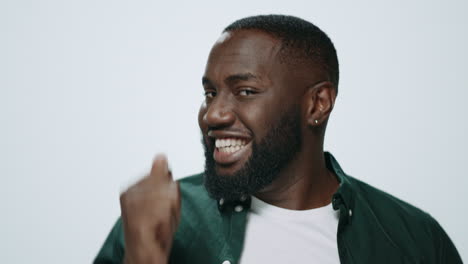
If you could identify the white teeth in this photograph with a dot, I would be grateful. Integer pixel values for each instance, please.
(229, 145)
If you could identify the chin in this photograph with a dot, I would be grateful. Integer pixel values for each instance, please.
(227, 171)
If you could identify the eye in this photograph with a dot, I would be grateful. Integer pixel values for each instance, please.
(246, 92)
(209, 94)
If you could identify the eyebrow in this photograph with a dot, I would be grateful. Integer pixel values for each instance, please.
(232, 78)
(240, 77)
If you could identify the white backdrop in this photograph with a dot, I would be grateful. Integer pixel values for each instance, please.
(90, 91)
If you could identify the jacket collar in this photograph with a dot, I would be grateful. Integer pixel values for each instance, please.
(343, 199)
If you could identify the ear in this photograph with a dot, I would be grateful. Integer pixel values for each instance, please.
(319, 102)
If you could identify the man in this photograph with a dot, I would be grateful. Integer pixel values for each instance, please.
(269, 193)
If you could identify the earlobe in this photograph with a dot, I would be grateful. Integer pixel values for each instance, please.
(320, 100)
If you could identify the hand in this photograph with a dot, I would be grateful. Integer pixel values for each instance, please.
(150, 215)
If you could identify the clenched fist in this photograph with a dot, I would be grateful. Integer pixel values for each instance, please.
(150, 215)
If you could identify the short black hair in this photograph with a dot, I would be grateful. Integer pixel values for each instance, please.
(300, 40)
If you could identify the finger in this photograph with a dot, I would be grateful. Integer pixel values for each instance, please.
(160, 169)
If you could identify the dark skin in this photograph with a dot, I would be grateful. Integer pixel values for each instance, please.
(247, 88)
(251, 104)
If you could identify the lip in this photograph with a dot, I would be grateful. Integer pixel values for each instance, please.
(229, 134)
(225, 158)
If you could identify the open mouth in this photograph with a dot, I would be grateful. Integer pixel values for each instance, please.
(230, 150)
(230, 145)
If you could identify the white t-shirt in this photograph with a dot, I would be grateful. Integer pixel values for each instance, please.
(277, 235)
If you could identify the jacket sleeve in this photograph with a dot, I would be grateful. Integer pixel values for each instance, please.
(446, 250)
(112, 252)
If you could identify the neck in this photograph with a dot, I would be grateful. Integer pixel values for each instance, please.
(305, 183)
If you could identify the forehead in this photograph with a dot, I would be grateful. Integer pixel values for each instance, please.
(243, 51)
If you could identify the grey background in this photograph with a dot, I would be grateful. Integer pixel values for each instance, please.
(90, 91)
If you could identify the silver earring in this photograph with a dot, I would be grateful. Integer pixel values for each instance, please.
(316, 121)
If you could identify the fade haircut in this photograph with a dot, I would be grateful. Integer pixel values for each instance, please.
(302, 41)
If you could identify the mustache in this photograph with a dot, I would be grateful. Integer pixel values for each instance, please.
(227, 130)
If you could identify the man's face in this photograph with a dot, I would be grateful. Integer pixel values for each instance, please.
(250, 119)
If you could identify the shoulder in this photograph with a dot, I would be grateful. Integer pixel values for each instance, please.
(406, 226)
(194, 195)
(383, 202)
(391, 213)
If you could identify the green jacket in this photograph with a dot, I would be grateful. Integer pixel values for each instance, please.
(374, 227)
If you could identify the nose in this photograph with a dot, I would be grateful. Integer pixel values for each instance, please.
(219, 113)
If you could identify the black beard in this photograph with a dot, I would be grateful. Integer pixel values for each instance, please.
(269, 157)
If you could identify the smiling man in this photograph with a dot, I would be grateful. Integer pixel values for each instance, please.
(269, 193)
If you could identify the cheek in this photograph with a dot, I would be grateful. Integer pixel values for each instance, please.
(263, 117)
(201, 114)
(257, 119)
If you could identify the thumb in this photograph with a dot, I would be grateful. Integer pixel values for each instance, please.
(160, 169)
